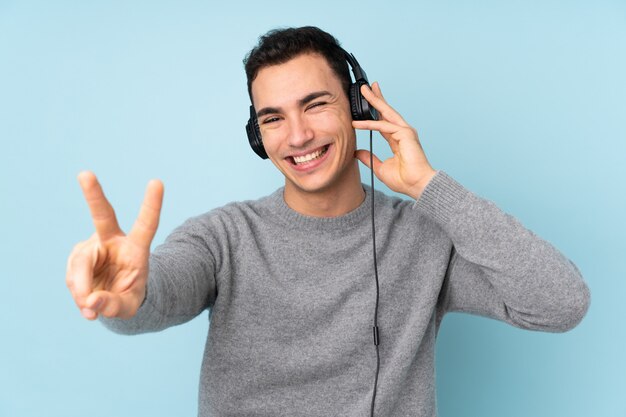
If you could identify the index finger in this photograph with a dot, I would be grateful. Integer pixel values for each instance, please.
(102, 212)
(375, 97)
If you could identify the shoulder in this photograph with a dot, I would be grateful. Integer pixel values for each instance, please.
(394, 206)
(234, 215)
(403, 215)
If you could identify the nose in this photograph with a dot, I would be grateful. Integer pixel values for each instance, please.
(300, 133)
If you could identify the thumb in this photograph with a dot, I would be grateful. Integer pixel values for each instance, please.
(110, 304)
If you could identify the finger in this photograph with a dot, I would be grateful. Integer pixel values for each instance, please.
(102, 212)
(79, 274)
(364, 156)
(385, 110)
(376, 89)
(111, 304)
(147, 222)
(381, 126)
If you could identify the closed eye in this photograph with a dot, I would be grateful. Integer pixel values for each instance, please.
(316, 104)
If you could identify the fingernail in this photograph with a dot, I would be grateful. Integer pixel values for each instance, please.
(88, 313)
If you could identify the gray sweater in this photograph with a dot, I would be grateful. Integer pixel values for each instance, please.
(291, 298)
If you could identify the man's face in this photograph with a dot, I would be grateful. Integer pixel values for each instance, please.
(305, 122)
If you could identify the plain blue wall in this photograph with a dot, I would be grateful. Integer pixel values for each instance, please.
(522, 103)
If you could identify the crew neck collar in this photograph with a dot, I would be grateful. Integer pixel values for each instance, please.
(291, 219)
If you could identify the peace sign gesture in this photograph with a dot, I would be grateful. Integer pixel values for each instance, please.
(107, 273)
(407, 171)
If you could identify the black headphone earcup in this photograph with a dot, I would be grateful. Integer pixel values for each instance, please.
(355, 101)
(254, 135)
(361, 109)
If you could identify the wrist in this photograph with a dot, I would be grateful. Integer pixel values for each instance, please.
(416, 190)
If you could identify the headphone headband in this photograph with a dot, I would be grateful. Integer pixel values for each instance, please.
(357, 71)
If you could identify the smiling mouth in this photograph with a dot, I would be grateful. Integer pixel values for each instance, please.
(304, 159)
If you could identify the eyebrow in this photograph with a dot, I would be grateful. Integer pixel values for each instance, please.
(303, 101)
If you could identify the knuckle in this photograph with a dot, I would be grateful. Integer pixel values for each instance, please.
(78, 300)
(108, 313)
(111, 309)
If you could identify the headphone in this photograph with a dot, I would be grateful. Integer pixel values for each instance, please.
(360, 108)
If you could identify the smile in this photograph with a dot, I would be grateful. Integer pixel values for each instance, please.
(304, 159)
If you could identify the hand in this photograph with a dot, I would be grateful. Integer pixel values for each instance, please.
(107, 274)
(407, 171)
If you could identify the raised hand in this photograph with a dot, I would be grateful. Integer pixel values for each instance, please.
(407, 171)
(107, 273)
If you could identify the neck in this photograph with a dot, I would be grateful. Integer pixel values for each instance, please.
(336, 200)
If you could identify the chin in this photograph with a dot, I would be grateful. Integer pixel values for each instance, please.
(320, 182)
(310, 187)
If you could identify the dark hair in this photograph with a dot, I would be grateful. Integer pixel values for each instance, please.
(281, 45)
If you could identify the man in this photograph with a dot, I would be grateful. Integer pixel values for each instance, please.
(288, 279)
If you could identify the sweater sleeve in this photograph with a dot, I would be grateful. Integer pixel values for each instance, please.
(181, 281)
(500, 269)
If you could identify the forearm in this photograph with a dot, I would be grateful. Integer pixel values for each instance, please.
(167, 303)
(502, 269)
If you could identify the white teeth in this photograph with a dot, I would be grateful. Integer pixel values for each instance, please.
(309, 157)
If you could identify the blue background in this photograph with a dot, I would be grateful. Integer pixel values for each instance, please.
(523, 102)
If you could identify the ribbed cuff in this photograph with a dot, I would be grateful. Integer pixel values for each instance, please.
(441, 198)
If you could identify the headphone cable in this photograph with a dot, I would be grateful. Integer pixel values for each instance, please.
(376, 336)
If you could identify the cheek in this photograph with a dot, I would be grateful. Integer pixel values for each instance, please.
(271, 139)
(334, 124)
